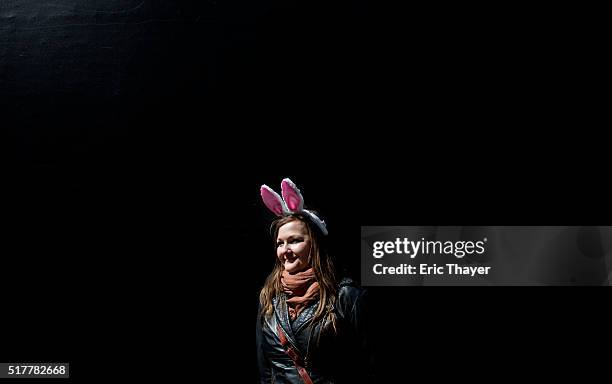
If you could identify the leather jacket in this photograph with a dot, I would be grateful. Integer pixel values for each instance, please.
(329, 356)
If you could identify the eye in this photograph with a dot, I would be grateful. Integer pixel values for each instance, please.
(294, 241)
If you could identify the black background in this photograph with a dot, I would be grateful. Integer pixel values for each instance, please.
(138, 137)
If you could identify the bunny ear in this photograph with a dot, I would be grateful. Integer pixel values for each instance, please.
(292, 196)
(272, 200)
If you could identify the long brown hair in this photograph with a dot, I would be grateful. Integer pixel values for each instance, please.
(320, 262)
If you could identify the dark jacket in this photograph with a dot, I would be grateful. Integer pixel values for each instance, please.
(330, 357)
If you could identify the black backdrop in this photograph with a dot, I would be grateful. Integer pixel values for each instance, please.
(138, 134)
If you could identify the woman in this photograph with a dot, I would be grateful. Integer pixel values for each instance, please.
(310, 328)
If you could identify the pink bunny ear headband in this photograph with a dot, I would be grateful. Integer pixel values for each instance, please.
(292, 202)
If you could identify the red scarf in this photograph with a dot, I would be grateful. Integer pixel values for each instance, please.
(301, 288)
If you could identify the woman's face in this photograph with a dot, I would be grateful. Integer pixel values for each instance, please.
(293, 246)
